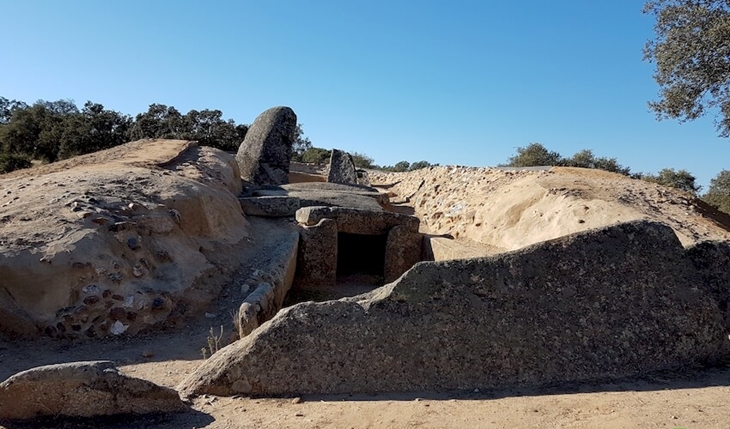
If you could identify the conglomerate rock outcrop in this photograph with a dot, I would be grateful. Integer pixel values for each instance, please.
(117, 241)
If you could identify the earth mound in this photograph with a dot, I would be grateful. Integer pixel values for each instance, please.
(507, 209)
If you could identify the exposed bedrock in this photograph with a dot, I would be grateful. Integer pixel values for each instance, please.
(138, 236)
(611, 302)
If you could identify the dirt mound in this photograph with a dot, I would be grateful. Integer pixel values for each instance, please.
(118, 240)
(509, 209)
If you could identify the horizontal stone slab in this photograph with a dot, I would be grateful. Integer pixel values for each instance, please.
(356, 221)
(270, 206)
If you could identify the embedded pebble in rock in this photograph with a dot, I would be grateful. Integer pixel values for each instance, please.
(133, 243)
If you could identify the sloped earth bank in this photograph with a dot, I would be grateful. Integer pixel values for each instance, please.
(507, 209)
(690, 399)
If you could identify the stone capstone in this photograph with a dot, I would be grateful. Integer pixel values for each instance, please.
(82, 389)
(357, 221)
(342, 168)
(270, 206)
(606, 303)
(266, 151)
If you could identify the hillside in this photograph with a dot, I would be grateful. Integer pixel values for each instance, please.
(508, 209)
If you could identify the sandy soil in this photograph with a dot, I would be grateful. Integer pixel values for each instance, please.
(689, 399)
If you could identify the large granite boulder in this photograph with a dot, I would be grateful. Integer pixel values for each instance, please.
(266, 151)
(82, 389)
(606, 303)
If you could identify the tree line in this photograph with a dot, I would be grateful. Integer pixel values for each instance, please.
(717, 195)
(49, 131)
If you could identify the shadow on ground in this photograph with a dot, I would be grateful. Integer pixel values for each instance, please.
(190, 419)
(666, 380)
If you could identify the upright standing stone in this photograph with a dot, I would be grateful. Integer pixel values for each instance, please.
(342, 168)
(265, 153)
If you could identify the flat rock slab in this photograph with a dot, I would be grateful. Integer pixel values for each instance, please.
(337, 199)
(355, 221)
(270, 206)
(324, 186)
(607, 303)
(82, 389)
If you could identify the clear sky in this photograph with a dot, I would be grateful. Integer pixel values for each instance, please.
(450, 82)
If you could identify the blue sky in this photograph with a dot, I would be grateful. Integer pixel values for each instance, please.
(450, 82)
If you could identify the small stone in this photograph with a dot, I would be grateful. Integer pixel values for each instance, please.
(91, 300)
(138, 271)
(133, 243)
(91, 289)
(118, 328)
(296, 400)
(158, 303)
(117, 313)
(100, 221)
(299, 414)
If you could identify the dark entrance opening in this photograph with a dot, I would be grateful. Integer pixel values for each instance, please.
(361, 256)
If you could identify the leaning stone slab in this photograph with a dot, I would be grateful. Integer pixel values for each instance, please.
(356, 221)
(273, 206)
(265, 153)
(606, 303)
(82, 389)
(342, 168)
